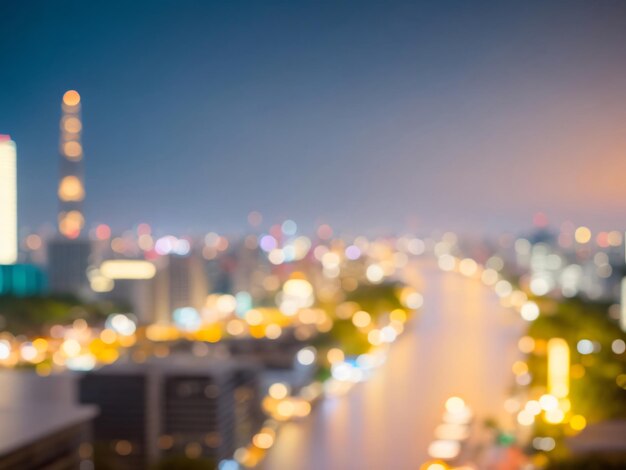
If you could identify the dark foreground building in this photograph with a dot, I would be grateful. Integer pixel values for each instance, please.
(176, 407)
(46, 436)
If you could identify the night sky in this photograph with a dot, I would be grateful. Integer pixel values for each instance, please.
(365, 115)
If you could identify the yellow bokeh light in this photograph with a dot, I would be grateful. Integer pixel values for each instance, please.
(71, 348)
(302, 409)
(361, 319)
(109, 355)
(71, 223)
(73, 150)
(40, 344)
(398, 315)
(43, 370)
(434, 465)
(263, 440)
(235, 327)
(299, 288)
(278, 391)
(72, 125)
(374, 337)
(468, 267)
(554, 416)
(273, 331)
(254, 317)
(577, 371)
(582, 235)
(71, 98)
(578, 422)
(519, 368)
(558, 367)
(526, 344)
(71, 189)
(257, 331)
(285, 409)
(211, 333)
(335, 355)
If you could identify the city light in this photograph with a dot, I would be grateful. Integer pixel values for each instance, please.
(313, 237)
(558, 367)
(8, 200)
(71, 191)
(128, 269)
(623, 304)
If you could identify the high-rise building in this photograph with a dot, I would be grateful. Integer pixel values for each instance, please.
(180, 282)
(68, 257)
(71, 187)
(129, 283)
(8, 201)
(68, 261)
(179, 405)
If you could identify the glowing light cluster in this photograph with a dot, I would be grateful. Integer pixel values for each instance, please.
(71, 191)
(450, 435)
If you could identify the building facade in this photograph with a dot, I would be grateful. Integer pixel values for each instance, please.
(175, 407)
(8, 200)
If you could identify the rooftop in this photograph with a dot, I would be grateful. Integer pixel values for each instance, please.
(25, 423)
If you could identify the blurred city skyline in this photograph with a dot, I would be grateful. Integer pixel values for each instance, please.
(360, 115)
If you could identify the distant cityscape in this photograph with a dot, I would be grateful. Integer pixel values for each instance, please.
(171, 350)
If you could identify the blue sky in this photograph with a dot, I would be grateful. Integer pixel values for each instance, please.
(366, 115)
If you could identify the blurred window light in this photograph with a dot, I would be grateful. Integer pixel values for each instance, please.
(71, 189)
(128, 269)
(8, 201)
(558, 367)
(444, 449)
(623, 305)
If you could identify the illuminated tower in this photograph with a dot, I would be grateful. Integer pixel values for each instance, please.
(8, 201)
(68, 256)
(71, 188)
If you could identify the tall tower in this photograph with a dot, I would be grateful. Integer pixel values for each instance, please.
(71, 188)
(68, 256)
(8, 201)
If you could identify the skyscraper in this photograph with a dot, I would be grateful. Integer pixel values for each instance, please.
(8, 201)
(71, 189)
(180, 282)
(68, 256)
